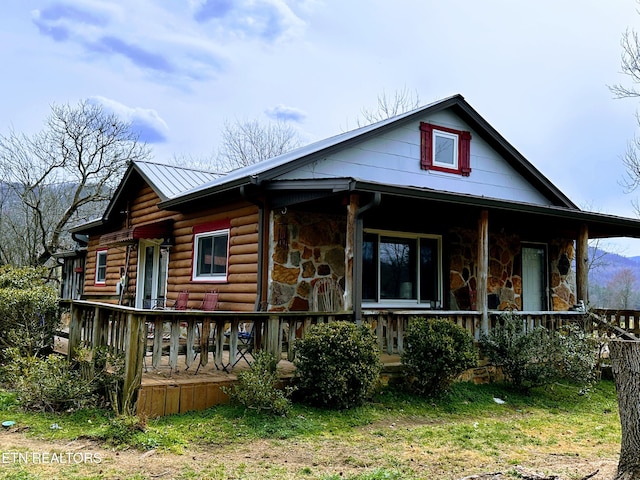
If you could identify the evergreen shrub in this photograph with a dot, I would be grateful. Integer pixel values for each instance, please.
(337, 365)
(436, 351)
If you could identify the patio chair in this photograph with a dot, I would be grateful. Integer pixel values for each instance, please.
(182, 301)
(210, 301)
(246, 340)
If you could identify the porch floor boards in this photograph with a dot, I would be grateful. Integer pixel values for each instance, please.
(164, 391)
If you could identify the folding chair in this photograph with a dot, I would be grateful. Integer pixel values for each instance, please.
(246, 342)
(182, 301)
(210, 301)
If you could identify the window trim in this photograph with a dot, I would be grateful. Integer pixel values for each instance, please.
(414, 302)
(97, 280)
(428, 134)
(212, 229)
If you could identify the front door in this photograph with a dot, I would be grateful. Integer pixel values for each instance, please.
(534, 285)
(152, 275)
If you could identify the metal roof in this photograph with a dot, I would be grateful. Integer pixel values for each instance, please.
(169, 181)
(271, 168)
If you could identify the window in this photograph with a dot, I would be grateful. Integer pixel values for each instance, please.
(401, 268)
(101, 267)
(445, 149)
(210, 253)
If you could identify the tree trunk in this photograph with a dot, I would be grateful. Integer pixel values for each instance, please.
(625, 362)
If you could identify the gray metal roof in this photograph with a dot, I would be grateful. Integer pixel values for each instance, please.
(168, 181)
(270, 168)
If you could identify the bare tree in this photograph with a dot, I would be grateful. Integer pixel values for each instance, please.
(622, 288)
(630, 63)
(400, 101)
(63, 174)
(250, 141)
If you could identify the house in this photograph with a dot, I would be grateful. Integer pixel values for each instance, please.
(429, 210)
(429, 213)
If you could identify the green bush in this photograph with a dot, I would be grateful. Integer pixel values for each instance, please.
(47, 384)
(29, 313)
(258, 387)
(539, 356)
(436, 352)
(337, 365)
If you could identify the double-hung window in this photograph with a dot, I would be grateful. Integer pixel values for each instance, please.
(101, 267)
(445, 149)
(210, 252)
(401, 268)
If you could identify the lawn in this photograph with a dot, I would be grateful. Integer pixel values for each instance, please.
(475, 429)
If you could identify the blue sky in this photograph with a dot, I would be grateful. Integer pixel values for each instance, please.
(537, 71)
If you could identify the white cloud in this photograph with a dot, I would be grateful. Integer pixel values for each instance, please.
(284, 113)
(145, 121)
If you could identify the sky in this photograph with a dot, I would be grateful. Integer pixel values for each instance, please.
(539, 72)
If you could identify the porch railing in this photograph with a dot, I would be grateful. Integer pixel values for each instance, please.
(178, 337)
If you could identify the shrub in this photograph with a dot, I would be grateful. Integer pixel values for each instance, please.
(257, 388)
(538, 356)
(29, 313)
(337, 365)
(47, 384)
(435, 353)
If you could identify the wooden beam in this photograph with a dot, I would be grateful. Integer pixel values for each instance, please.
(349, 250)
(483, 271)
(582, 265)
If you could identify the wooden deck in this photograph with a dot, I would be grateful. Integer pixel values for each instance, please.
(166, 373)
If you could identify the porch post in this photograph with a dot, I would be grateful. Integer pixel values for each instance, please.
(582, 265)
(483, 270)
(349, 250)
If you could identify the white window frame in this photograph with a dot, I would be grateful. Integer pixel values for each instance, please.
(214, 277)
(390, 303)
(456, 140)
(101, 279)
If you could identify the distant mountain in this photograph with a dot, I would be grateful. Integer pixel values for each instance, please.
(608, 264)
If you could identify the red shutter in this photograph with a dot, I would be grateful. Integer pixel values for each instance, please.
(425, 145)
(464, 150)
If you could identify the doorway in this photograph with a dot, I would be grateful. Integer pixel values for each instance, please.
(534, 274)
(152, 275)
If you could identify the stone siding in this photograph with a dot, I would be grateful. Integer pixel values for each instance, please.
(305, 247)
(504, 282)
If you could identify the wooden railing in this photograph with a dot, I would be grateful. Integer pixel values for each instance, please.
(179, 337)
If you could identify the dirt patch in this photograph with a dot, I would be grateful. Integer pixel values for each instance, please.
(287, 459)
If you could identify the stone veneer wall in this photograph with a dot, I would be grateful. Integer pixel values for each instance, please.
(504, 282)
(305, 247)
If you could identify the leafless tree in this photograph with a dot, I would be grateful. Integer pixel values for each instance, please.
(245, 142)
(61, 175)
(630, 63)
(622, 288)
(389, 105)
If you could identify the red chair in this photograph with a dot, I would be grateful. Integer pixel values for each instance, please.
(210, 301)
(182, 301)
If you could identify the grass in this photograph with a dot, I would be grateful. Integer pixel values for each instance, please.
(394, 436)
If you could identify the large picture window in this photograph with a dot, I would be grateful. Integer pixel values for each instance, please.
(211, 255)
(101, 267)
(401, 268)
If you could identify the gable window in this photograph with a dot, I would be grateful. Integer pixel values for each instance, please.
(101, 267)
(401, 268)
(210, 252)
(445, 149)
